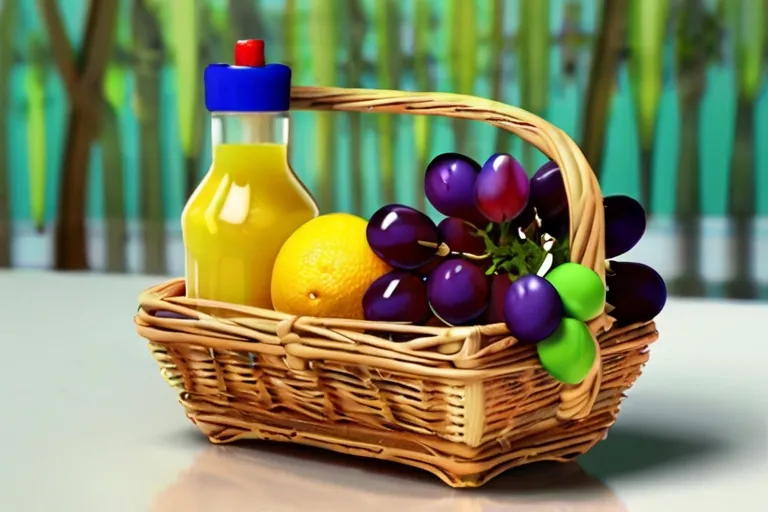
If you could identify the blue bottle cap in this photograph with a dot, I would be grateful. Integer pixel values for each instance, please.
(250, 85)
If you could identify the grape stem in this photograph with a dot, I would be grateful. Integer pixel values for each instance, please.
(443, 250)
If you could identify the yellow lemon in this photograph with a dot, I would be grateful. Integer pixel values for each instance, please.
(325, 267)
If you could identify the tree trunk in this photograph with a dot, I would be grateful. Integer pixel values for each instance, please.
(602, 77)
(83, 81)
(741, 205)
(149, 58)
(114, 202)
(7, 19)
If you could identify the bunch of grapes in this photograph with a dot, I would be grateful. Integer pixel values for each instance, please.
(500, 255)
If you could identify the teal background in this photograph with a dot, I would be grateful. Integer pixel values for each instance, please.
(565, 107)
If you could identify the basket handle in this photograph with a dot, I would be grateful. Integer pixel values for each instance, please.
(586, 229)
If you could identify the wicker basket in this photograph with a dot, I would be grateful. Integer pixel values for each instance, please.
(465, 403)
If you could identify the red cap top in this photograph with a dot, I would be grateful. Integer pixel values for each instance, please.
(249, 53)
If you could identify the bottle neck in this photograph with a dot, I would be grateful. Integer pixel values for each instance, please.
(249, 128)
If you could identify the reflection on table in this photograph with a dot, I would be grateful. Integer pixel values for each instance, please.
(271, 478)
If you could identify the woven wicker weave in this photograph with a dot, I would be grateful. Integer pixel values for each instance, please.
(465, 403)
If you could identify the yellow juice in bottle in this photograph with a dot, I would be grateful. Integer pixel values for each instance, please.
(237, 220)
(250, 201)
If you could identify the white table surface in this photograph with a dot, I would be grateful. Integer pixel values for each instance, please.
(89, 425)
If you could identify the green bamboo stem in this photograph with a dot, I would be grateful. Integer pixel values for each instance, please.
(289, 33)
(462, 22)
(747, 21)
(688, 200)
(742, 203)
(503, 137)
(421, 124)
(695, 49)
(387, 64)
(7, 22)
(602, 80)
(647, 27)
(114, 201)
(36, 142)
(533, 56)
(323, 35)
(114, 92)
(149, 54)
(356, 23)
(184, 25)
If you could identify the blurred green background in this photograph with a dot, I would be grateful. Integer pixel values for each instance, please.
(666, 97)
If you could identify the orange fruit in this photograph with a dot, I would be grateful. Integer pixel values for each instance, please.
(325, 267)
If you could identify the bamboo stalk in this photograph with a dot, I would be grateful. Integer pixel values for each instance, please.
(534, 63)
(503, 138)
(8, 18)
(184, 26)
(323, 35)
(387, 21)
(421, 124)
(462, 22)
(695, 48)
(602, 80)
(357, 27)
(149, 54)
(646, 31)
(111, 156)
(747, 20)
(114, 201)
(36, 141)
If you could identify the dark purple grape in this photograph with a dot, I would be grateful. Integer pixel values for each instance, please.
(548, 191)
(557, 226)
(429, 266)
(394, 233)
(502, 188)
(500, 284)
(526, 217)
(449, 184)
(458, 291)
(398, 296)
(624, 224)
(636, 291)
(532, 309)
(461, 236)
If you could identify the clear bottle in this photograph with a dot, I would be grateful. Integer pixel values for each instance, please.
(250, 201)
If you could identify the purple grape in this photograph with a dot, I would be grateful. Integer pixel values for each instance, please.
(398, 296)
(636, 291)
(526, 217)
(548, 191)
(461, 236)
(449, 182)
(394, 233)
(458, 291)
(429, 266)
(624, 224)
(557, 226)
(502, 188)
(532, 309)
(500, 283)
